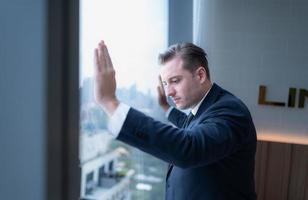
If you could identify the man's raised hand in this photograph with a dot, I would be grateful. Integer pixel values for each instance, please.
(105, 82)
(162, 99)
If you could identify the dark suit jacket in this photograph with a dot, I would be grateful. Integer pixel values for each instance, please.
(213, 158)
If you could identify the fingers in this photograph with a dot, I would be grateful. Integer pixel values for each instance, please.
(108, 59)
(161, 85)
(102, 56)
(159, 91)
(96, 61)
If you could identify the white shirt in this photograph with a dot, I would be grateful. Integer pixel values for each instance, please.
(117, 120)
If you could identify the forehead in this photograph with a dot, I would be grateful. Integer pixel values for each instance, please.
(173, 67)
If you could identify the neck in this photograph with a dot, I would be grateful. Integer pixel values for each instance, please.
(205, 88)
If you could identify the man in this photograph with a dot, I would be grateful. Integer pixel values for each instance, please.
(211, 151)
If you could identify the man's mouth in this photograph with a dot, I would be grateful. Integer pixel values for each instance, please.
(176, 100)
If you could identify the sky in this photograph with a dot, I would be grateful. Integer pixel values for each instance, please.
(134, 31)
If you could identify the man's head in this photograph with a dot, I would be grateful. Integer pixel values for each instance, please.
(185, 74)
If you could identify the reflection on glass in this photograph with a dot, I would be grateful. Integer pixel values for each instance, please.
(135, 32)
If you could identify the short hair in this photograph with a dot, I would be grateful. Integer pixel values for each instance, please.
(192, 55)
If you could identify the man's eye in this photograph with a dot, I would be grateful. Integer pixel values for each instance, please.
(175, 81)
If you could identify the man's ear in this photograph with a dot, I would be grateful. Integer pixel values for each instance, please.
(201, 74)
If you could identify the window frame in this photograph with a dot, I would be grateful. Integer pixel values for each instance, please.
(62, 155)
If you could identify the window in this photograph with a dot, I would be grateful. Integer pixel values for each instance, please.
(135, 32)
(89, 183)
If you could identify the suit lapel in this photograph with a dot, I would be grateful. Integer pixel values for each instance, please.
(208, 101)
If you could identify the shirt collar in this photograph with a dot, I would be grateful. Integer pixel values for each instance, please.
(195, 109)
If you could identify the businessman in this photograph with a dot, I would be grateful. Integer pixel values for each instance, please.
(211, 151)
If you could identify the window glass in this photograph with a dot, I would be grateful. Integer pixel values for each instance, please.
(135, 32)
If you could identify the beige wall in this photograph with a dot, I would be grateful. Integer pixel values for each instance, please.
(253, 43)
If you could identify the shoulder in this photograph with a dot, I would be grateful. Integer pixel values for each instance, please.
(229, 106)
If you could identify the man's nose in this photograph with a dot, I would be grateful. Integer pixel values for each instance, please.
(170, 91)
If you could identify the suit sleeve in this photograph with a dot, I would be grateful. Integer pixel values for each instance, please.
(212, 139)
